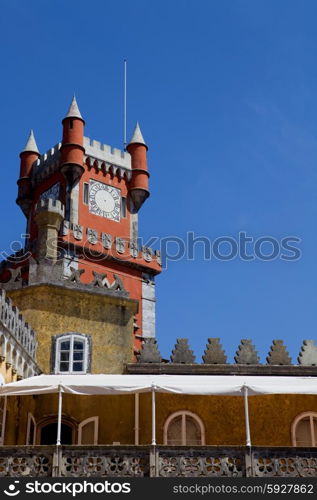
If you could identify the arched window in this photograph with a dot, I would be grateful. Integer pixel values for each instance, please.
(71, 353)
(184, 428)
(304, 429)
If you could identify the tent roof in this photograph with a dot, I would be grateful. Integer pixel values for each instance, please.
(178, 384)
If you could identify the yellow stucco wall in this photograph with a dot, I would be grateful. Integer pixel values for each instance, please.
(271, 417)
(54, 310)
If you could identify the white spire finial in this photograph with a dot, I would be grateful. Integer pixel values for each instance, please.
(137, 137)
(31, 145)
(73, 111)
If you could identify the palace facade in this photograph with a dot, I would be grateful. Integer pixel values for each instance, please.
(86, 391)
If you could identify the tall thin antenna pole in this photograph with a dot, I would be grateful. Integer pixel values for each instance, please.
(125, 107)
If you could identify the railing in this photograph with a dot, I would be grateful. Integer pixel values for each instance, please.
(125, 461)
(162, 461)
(26, 461)
(20, 330)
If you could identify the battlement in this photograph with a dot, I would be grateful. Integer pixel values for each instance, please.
(50, 155)
(50, 205)
(106, 153)
(46, 164)
(214, 355)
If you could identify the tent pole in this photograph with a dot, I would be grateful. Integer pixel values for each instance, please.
(4, 417)
(246, 415)
(153, 417)
(59, 418)
(136, 419)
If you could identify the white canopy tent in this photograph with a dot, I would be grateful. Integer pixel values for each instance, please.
(224, 385)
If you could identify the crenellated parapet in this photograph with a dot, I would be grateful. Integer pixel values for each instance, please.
(49, 205)
(106, 154)
(46, 165)
(18, 343)
(105, 167)
(214, 360)
(97, 155)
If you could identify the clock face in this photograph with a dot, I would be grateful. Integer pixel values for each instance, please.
(104, 200)
(52, 192)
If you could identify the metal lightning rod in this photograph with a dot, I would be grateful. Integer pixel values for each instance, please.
(125, 107)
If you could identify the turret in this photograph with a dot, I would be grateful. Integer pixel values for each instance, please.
(138, 188)
(49, 215)
(28, 156)
(72, 149)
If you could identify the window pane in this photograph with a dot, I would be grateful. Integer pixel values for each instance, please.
(78, 367)
(65, 346)
(193, 434)
(64, 355)
(174, 432)
(86, 193)
(123, 207)
(303, 434)
(79, 356)
(64, 367)
(78, 345)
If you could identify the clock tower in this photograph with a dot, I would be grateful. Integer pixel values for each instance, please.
(81, 200)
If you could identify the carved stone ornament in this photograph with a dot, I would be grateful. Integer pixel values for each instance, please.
(134, 249)
(158, 256)
(99, 279)
(308, 354)
(75, 275)
(106, 240)
(278, 354)
(246, 353)
(214, 353)
(78, 231)
(117, 285)
(120, 245)
(147, 253)
(149, 352)
(182, 353)
(92, 236)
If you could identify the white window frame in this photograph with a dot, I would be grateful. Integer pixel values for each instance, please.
(183, 414)
(82, 424)
(72, 337)
(31, 420)
(307, 414)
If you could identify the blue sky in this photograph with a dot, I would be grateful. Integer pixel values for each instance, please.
(225, 92)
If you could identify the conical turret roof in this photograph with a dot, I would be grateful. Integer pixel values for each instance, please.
(73, 111)
(137, 137)
(31, 145)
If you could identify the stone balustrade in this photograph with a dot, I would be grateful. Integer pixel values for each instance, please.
(160, 461)
(17, 340)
